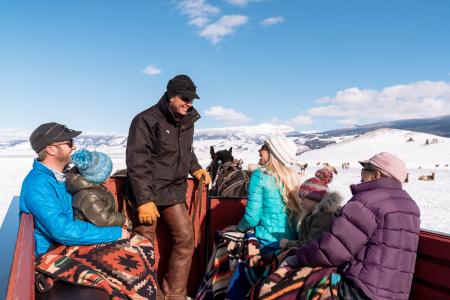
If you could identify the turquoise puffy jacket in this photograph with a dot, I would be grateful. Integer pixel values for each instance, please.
(51, 206)
(266, 211)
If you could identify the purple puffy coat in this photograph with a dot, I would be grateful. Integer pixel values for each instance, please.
(374, 240)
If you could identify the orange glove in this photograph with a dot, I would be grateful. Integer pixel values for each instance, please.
(202, 173)
(148, 213)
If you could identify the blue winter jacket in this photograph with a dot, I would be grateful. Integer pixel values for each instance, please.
(51, 206)
(265, 210)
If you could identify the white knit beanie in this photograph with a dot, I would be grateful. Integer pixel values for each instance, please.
(283, 148)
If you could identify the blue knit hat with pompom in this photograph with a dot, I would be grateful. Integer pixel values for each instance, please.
(94, 166)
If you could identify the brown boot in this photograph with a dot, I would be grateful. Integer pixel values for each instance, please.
(181, 233)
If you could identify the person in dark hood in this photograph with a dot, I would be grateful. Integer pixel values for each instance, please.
(159, 157)
(91, 200)
(318, 206)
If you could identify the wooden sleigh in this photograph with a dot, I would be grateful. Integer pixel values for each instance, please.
(431, 276)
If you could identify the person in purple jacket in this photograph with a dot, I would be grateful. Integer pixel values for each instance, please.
(374, 242)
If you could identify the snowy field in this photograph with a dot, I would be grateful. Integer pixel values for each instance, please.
(433, 197)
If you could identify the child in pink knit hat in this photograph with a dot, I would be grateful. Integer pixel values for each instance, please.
(318, 205)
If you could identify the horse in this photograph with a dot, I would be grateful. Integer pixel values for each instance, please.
(226, 172)
(219, 158)
(427, 177)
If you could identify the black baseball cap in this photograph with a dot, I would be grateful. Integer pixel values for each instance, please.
(49, 133)
(182, 85)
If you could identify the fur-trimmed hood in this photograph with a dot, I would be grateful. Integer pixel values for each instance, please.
(331, 203)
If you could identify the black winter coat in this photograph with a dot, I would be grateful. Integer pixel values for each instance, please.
(159, 155)
(92, 202)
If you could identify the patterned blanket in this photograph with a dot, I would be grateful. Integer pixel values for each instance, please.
(292, 282)
(228, 274)
(125, 269)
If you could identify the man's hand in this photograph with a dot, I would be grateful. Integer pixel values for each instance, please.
(253, 255)
(230, 228)
(148, 213)
(202, 173)
(125, 234)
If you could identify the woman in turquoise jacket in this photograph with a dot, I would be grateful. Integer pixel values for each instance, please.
(269, 194)
(268, 210)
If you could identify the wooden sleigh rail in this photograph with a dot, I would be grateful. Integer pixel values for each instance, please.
(431, 277)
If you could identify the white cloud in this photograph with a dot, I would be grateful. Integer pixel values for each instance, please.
(302, 120)
(238, 2)
(199, 22)
(272, 21)
(198, 11)
(226, 115)
(422, 99)
(152, 70)
(226, 25)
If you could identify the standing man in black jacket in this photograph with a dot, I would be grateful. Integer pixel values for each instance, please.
(159, 157)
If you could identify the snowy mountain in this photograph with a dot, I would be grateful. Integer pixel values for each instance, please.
(246, 140)
(241, 138)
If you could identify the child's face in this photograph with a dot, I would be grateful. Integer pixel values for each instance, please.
(308, 205)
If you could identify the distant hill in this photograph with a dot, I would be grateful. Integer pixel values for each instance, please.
(437, 126)
(245, 140)
(411, 146)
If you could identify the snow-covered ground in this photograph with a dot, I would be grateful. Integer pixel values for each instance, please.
(433, 197)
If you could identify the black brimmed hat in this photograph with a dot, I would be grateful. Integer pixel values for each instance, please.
(182, 85)
(49, 133)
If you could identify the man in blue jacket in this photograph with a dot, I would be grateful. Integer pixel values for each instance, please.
(44, 194)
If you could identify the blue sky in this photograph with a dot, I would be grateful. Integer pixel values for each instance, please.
(312, 65)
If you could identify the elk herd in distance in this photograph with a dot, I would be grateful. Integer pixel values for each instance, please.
(345, 165)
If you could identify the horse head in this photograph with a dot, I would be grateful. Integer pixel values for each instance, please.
(219, 158)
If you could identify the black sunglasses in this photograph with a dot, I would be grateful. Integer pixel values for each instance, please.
(69, 143)
(187, 100)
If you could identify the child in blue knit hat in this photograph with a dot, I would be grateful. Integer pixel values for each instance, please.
(90, 200)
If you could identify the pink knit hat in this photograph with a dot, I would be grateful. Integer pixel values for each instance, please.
(388, 163)
(316, 187)
(325, 175)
